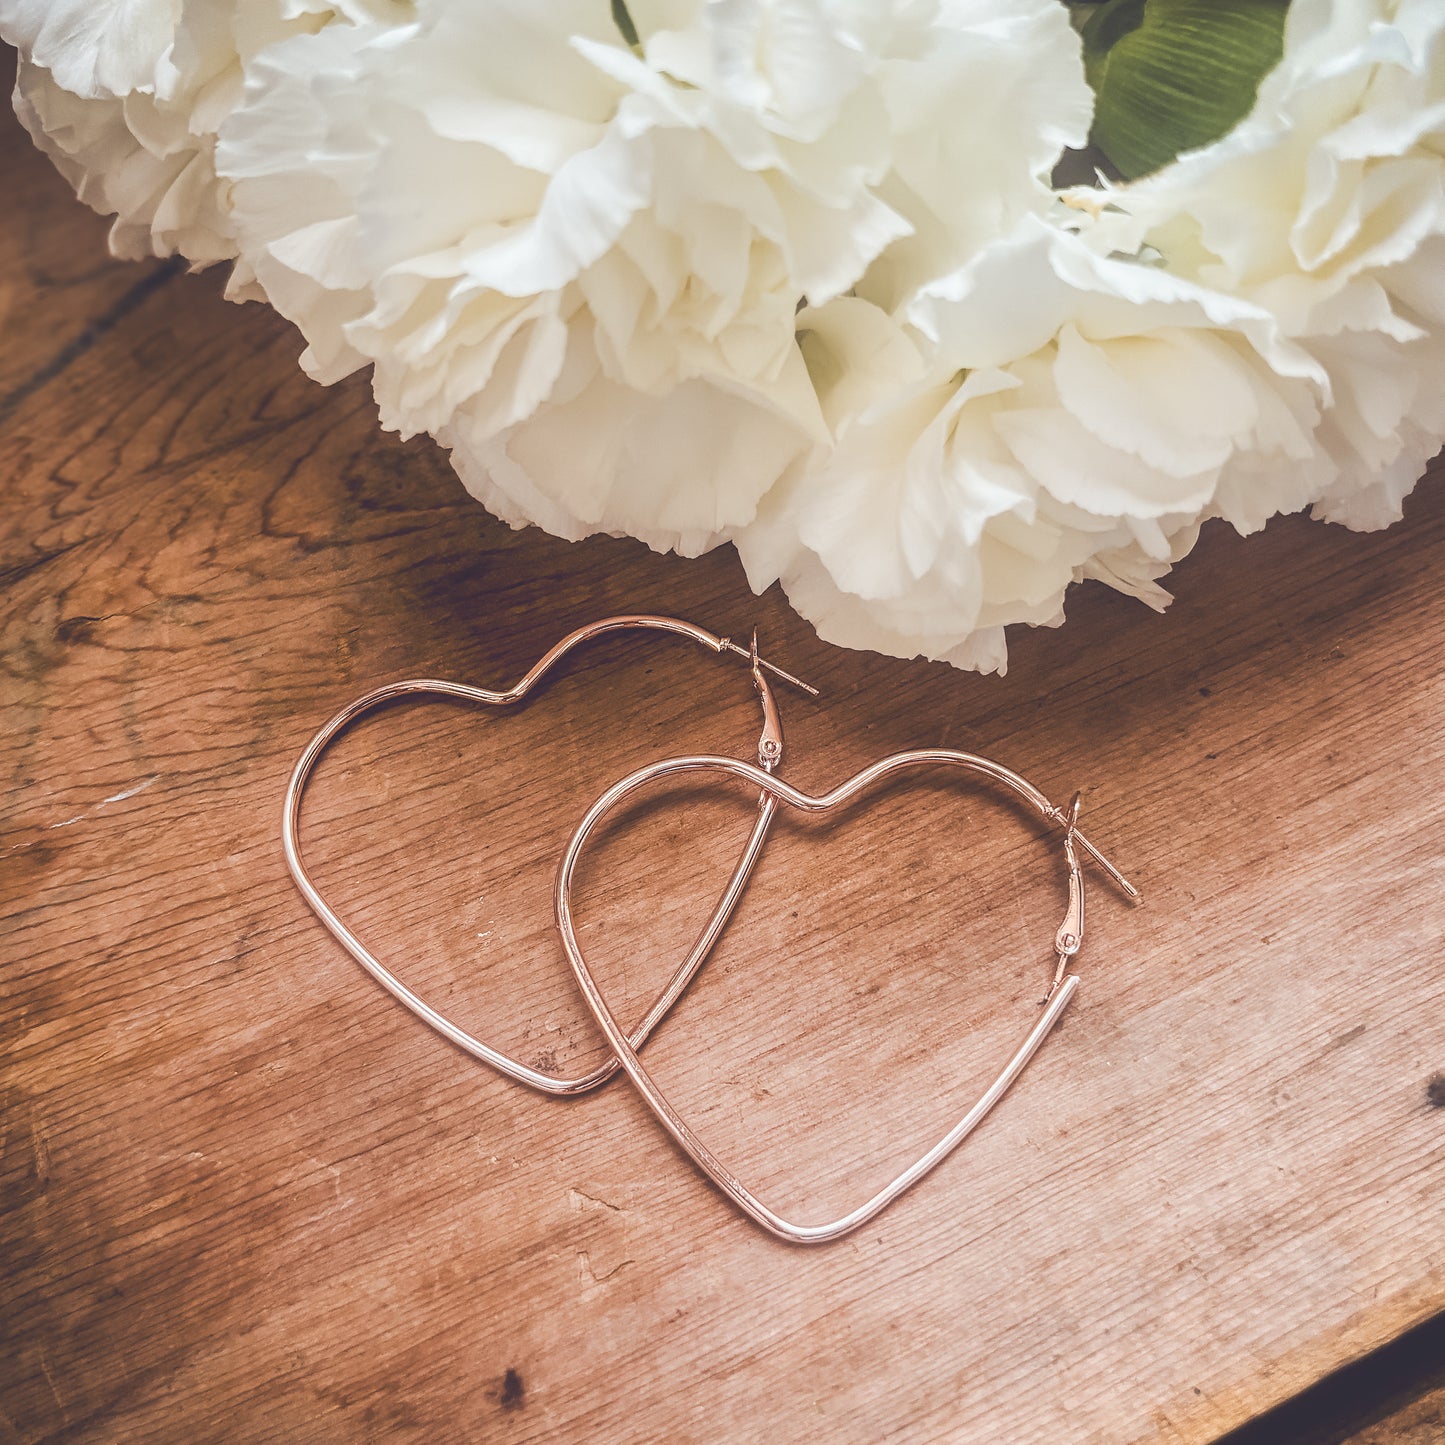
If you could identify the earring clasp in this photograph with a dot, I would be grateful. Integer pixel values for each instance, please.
(770, 744)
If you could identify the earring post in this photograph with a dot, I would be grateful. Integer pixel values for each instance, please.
(1128, 888)
(726, 644)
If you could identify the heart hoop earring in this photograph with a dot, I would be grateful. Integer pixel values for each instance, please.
(1068, 940)
(769, 752)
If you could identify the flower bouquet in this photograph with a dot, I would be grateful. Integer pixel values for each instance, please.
(929, 307)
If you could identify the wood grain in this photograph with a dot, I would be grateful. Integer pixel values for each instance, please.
(247, 1197)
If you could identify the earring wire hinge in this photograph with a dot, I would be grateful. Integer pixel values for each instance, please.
(1062, 818)
(1070, 937)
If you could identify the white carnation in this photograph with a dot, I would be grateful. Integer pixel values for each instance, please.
(93, 48)
(1327, 207)
(1255, 329)
(126, 96)
(580, 266)
(1044, 414)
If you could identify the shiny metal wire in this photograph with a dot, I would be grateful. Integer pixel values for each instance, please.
(770, 751)
(1067, 941)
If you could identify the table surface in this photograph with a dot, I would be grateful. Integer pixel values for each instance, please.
(247, 1196)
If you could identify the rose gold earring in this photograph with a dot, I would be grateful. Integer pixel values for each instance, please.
(1068, 940)
(769, 752)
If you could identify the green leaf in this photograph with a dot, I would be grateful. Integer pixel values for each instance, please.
(622, 19)
(1172, 75)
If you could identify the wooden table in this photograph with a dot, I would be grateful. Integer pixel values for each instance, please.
(248, 1197)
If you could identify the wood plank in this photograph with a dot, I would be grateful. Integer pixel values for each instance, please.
(246, 1196)
(1394, 1396)
(1421, 1422)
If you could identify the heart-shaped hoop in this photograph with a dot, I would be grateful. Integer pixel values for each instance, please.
(769, 752)
(1067, 941)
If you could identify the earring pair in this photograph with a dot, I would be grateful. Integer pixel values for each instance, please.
(772, 792)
